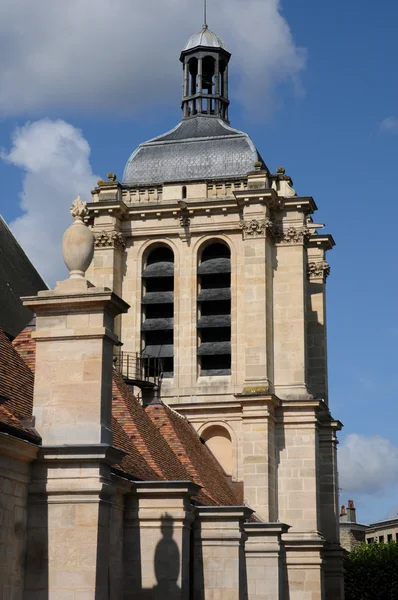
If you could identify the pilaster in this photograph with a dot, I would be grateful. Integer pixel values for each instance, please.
(304, 568)
(298, 466)
(69, 522)
(157, 540)
(258, 282)
(317, 272)
(259, 455)
(219, 565)
(265, 561)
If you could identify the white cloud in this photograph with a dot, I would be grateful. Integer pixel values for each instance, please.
(55, 158)
(123, 54)
(389, 125)
(367, 464)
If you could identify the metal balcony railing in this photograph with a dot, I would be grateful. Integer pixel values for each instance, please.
(142, 371)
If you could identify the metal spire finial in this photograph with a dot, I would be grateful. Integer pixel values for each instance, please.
(205, 15)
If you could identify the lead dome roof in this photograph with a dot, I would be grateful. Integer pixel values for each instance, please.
(198, 148)
(207, 39)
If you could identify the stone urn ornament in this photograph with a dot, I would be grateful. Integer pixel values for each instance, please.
(78, 242)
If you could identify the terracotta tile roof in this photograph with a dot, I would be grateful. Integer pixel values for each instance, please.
(16, 390)
(25, 344)
(160, 444)
(200, 463)
(144, 435)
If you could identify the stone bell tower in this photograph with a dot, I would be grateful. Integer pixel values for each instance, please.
(225, 273)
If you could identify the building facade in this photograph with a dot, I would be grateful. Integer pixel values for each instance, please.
(225, 272)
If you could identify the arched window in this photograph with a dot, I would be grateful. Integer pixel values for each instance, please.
(219, 442)
(214, 310)
(184, 192)
(157, 329)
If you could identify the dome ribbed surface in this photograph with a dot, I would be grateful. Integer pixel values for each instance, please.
(207, 39)
(199, 148)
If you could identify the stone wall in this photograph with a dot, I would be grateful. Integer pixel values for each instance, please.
(15, 457)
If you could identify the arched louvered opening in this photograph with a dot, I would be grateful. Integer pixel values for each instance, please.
(157, 329)
(214, 310)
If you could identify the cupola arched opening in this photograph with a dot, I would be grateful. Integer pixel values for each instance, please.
(157, 329)
(214, 310)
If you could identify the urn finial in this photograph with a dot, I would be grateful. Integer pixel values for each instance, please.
(78, 242)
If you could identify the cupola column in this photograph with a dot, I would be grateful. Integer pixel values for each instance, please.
(218, 103)
(200, 83)
(186, 87)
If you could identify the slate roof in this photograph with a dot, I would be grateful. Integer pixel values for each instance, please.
(18, 277)
(159, 443)
(198, 148)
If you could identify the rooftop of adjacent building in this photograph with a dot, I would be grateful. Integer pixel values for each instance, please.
(18, 277)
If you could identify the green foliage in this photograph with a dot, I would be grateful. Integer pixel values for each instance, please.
(372, 572)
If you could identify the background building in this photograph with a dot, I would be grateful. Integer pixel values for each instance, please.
(352, 534)
(382, 531)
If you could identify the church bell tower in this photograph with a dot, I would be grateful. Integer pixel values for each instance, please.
(225, 272)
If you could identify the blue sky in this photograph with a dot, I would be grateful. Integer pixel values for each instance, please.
(320, 99)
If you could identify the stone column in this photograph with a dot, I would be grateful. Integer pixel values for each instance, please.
(200, 83)
(71, 493)
(217, 85)
(219, 564)
(157, 540)
(265, 561)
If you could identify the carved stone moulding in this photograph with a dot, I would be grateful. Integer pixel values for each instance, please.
(253, 228)
(294, 235)
(318, 270)
(109, 239)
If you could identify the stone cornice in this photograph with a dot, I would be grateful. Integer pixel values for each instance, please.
(48, 302)
(90, 453)
(305, 204)
(266, 529)
(17, 448)
(324, 241)
(112, 207)
(166, 488)
(268, 197)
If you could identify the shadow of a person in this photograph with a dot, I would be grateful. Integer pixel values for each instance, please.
(167, 563)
